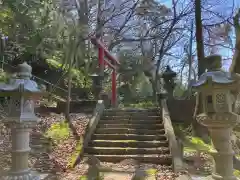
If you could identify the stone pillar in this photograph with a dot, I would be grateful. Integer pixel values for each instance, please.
(220, 131)
(223, 155)
(20, 119)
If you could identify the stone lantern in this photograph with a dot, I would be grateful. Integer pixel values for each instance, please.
(20, 118)
(96, 84)
(215, 87)
(3, 42)
(168, 78)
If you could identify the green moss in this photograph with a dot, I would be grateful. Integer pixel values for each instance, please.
(236, 173)
(58, 131)
(189, 149)
(197, 144)
(83, 178)
(151, 172)
(75, 154)
(4, 77)
(86, 178)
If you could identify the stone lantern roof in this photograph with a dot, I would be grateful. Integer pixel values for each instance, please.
(22, 83)
(24, 70)
(169, 73)
(216, 77)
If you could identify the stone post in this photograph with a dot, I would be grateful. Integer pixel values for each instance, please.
(20, 118)
(168, 78)
(96, 85)
(216, 88)
(105, 97)
(50, 90)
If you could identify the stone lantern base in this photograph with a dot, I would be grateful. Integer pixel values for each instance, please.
(211, 178)
(21, 176)
(19, 153)
(196, 177)
(220, 127)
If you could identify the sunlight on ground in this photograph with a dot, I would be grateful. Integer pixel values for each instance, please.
(151, 172)
(83, 178)
(58, 131)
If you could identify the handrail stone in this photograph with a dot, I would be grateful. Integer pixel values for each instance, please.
(173, 144)
(98, 111)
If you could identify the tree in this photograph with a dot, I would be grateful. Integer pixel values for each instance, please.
(161, 34)
(216, 30)
(72, 39)
(199, 37)
(130, 74)
(199, 130)
(235, 66)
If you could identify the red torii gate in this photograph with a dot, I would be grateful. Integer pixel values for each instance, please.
(111, 61)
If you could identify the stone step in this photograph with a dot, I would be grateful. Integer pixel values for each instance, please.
(37, 141)
(132, 110)
(129, 131)
(130, 121)
(130, 134)
(127, 151)
(111, 175)
(153, 158)
(40, 138)
(132, 126)
(44, 163)
(128, 143)
(128, 137)
(44, 169)
(130, 114)
(127, 116)
(38, 148)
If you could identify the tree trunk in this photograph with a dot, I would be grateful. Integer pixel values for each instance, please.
(199, 130)
(190, 58)
(99, 26)
(199, 37)
(235, 66)
(68, 104)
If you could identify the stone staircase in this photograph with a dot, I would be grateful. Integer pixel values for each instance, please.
(40, 147)
(130, 134)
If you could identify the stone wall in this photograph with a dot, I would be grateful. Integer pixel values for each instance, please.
(181, 111)
(77, 106)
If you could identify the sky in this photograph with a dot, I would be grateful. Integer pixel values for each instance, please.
(227, 52)
(222, 51)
